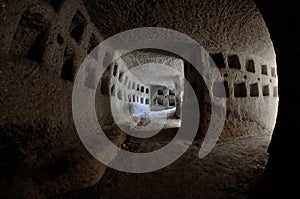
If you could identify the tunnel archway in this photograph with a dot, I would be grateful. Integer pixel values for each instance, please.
(45, 42)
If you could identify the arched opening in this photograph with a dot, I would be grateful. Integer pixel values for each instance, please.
(44, 43)
(154, 88)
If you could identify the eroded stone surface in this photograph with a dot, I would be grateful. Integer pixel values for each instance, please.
(41, 48)
(44, 42)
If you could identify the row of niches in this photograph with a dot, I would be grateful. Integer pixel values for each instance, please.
(162, 96)
(33, 32)
(169, 92)
(242, 90)
(169, 102)
(129, 84)
(233, 62)
(121, 95)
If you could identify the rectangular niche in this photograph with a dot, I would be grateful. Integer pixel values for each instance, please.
(254, 92)
(266, 91)
(172, 102)
(275, 91)
(133, 98)
(240, 90)
(68, 70)
(273, 72)
(142, 89)
(138, 87)
(160, 101)
(171, 93)
(115, 71)
(37, 49)
(217, 89)
(250, 66)
(218, 59)
(121, 74)
(264, 69)
(112, 91)
(78, 26)
(234, 62)
(147, 90)
(142, 100)
(147, 101)
(133, 85)
(160, 92)
(129, 98)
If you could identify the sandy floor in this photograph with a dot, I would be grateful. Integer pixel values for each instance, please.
(229, 171)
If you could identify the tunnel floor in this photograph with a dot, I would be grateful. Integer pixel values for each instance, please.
(229, 171)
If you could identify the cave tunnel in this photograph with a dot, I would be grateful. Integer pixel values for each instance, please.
(144, 88)
(142, 97)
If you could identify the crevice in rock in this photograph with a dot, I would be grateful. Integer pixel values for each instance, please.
(37, 50)
(68, 70)
(78, 26)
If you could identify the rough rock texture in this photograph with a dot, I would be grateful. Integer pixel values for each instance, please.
(229, 171)
(218, 25)
(43, 42)
(235, 35)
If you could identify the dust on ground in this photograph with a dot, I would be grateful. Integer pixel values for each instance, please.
(230, 170)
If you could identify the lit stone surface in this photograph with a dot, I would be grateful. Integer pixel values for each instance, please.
(44, 42)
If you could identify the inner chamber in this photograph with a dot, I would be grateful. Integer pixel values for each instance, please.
(146, 90)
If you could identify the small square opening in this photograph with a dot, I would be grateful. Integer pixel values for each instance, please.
(234, 62)
(273, 72)
(266, 91)
(240, 90)
(250, 66)
(218, 59)
(264, 70)
(254, 92)
(160, 92)
(172, 102)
